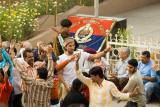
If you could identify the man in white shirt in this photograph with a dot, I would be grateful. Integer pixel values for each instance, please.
(68, 72)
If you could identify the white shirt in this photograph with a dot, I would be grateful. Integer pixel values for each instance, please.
(17, 82)
(101, 96)
(121, 68)
(68, 71)
(61, 41)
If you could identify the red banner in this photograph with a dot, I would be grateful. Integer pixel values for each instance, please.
(90, 32)
(100, 26)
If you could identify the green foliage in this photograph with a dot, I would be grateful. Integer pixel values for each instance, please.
(19, 19)
(123, 35)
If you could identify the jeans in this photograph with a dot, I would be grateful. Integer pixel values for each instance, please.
(157, 91)
(149, 89)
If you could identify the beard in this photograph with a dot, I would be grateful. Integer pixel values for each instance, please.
(70, 52)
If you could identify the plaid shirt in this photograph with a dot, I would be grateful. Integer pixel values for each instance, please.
(38, 90)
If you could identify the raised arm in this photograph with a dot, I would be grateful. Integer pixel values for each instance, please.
(61, 65)
(123, 96)
(19, 66)
(100, 54)
(79, 74)
(50, 67)
(8, 87)
(11, 50)
(23, 71)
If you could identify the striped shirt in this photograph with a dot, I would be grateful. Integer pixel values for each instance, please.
(101, 96)
(38, 90)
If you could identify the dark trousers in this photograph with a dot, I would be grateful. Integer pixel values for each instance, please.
(17, 100)
(131, 104)
(120, 82)
(10, 101)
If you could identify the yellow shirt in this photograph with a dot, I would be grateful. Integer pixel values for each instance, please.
(101, 96)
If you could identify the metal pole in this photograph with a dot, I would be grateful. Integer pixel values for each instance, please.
(55, 16)
(9, 4)
(96, 8)
(47, 6)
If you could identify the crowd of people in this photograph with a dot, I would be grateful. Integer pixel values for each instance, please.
(58, 74)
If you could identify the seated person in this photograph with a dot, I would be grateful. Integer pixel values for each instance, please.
(148, 74)
(156, 91)
(135, 80)
(120, 75)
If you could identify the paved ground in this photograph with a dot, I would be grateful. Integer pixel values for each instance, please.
(146, 23)
(122, 104)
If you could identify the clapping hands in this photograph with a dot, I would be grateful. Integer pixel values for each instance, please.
(47, 48)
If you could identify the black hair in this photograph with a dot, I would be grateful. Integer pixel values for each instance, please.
(76, 45)
(42, 73)
(97, 70)
(2, 72)
(133, 62)
(66, 23)
(76, 85)
(26, 51)
(146, 53)
(8, 49)
(86, 74)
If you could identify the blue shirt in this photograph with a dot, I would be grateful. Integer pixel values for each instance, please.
(146, 70)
